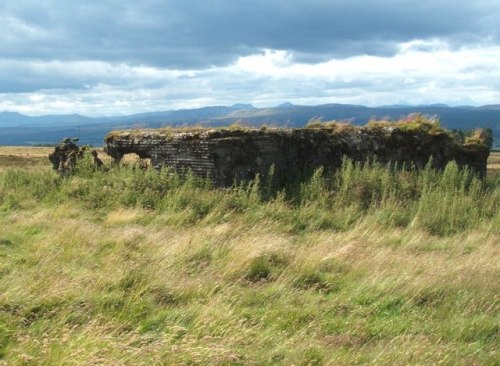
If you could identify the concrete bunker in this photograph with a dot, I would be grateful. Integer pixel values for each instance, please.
(135, 160)
(226, 155)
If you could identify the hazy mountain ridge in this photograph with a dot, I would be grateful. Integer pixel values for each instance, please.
(51, 128)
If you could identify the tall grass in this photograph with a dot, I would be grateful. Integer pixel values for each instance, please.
(368, 264)
(440, 202)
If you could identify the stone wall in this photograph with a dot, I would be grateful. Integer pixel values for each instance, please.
(226, 155)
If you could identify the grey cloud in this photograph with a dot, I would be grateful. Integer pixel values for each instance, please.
(197, 34)
(29, 76)
(86, 55)
(21, 78)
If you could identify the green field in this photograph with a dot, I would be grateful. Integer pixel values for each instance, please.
(363, 266)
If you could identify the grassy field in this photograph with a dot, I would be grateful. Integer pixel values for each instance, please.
(365, 266)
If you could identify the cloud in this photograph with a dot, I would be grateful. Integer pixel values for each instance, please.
(104, 57)
(30, 76)
(416, 75)
(197, 34)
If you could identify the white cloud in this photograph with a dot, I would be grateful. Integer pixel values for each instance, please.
(421, 73)
(102, 57)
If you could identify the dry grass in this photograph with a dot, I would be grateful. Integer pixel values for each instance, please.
(23, 157)
(398, 296)
(131, 285)
(25, 151)
(494, 163)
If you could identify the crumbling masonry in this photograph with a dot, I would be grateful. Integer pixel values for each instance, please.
(227, 155)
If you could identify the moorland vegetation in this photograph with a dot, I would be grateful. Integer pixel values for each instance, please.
(365, 265)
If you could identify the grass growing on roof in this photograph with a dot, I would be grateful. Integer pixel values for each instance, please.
(413, 123)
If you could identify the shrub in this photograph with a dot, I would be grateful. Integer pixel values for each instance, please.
(312, 279)
(265, 266)
(258, 270)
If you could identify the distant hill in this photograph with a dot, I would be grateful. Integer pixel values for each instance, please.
(18, 129)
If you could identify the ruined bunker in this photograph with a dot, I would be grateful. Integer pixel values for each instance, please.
(226, 154)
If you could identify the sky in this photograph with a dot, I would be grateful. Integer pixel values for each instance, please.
(120, 57)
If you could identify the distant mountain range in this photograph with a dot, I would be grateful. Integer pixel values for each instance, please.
(18, 129)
